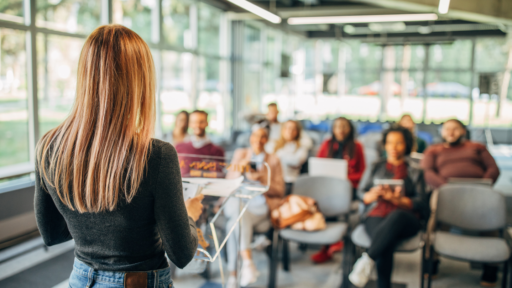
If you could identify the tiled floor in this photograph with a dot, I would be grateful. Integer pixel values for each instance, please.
(453, 274)
(303, 273)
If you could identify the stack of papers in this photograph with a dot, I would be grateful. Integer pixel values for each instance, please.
(210, 186)
(191, 190)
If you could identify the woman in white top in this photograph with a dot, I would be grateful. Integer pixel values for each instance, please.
(290, 151)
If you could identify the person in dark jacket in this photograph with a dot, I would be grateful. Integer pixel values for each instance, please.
(391, 215)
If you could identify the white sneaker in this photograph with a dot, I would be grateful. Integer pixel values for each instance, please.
(249, 274)
(260, 242)
(231, 283)
(362, 270)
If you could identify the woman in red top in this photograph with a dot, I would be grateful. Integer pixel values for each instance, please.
(342, 145)
(351, 150)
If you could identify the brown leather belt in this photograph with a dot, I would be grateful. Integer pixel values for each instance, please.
(136, 280)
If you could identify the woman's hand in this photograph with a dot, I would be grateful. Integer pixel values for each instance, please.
(390, 195)
(373, 195)
(194, 207)
(250, 173)
(396, 197)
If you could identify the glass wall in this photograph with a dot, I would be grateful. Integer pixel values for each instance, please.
(13, 98)
(190, 41)
(185, 37)
(431, 82)
(364, 81)
(56, 77)
(491, 56)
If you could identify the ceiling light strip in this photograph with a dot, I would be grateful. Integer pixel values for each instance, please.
(362, 19)
(257, 10)
(444, 5)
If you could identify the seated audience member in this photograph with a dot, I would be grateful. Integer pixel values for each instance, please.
(457, 157)
(275, 129)
(460, 158)
(342, 145)
(275, 126)
(397, 214)
(419, 144)
(180, 132)
(259, 209)
(200, 144)
(290, 151)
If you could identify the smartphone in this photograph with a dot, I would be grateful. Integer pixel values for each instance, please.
(392, 183)
(253, 165)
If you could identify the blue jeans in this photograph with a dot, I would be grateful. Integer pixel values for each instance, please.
(84, 276)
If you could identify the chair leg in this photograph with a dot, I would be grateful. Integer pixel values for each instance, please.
(270, 236)
(422, 276)
(505, 274)
(346, 262)
(286, 256)
(274, 260)
(430, 266)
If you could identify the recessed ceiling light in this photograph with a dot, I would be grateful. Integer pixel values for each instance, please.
(444, 5)
(362, 19)
(257, 10)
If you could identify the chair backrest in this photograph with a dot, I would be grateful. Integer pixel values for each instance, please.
(370, 140)
(471, 207)
(333, 195)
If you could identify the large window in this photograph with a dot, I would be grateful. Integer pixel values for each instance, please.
(78, 16)
(58, 60)
(192, 69)
(456, 55)
(308, 78)
(11, 10)
(176, 26)
(209, 29)
(176, 86)
(138, 15)
(14, 147)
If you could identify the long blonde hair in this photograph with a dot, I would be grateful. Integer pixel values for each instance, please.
(281, 141)
(101, 149)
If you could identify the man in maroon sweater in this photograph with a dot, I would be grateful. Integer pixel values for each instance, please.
(457, 157)
(200, 144)
(460, 158)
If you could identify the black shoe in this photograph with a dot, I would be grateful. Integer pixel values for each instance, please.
(435, 269)
(489, 276)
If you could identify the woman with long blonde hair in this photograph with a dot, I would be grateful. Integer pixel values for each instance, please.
(291, 152)
(102, 180)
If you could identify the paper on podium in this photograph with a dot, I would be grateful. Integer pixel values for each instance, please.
(191, 190)
(216, 187)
